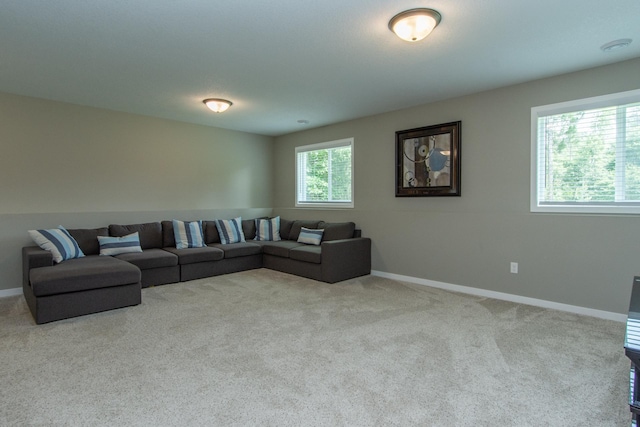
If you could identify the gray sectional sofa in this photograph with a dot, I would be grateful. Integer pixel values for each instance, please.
(96, 282)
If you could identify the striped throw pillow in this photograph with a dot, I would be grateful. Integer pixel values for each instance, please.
(188, 234)
(119, 245)
(310, 236)
(59, 242)
(268, 229)
(230, 230)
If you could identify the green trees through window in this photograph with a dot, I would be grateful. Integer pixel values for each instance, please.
(588, 156)
(583, 162)
(324, 173)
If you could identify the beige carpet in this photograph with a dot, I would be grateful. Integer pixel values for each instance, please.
(271, 349)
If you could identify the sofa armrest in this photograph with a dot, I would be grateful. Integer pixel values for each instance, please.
(34, 257)
(346, 258)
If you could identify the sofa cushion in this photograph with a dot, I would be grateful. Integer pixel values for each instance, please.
(249, 229)
(59, 242)
(285, 228)
(211, 234)
(230, 230)
(150, 258)
(234, 250)
(87, 238)
(307, 254)
(280, 248)
(194, 255)
(267, 229)
(81, 274)
(110, 245)
(150, 233)
(310, 237)
(188, 234)
(297, 226)
(168, 238)
(337, 230)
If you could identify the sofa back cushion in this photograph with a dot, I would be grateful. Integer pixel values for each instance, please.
(297, 226)
(249, 228)
(150, 233)
(211, 234)
(168, 238)
(285, 228)
(87, 238)
(337, 230)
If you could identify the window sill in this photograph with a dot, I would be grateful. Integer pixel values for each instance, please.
(325, 205)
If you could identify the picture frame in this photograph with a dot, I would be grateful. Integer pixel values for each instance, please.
(428, 161)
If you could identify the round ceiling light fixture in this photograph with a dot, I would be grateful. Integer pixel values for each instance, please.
(615, 45)
(217, 105)
(414, 24)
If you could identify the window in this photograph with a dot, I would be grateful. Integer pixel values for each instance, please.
(324, 174)
(585, 155)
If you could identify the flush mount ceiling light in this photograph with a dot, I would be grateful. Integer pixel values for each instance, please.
(217, 105)
(414, 24)
(615, 45)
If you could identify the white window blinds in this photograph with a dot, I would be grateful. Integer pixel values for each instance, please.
(586, 155)
(324, 174)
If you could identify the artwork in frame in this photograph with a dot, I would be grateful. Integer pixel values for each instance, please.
(428, 161)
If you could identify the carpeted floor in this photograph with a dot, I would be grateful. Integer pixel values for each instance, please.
(271, 349)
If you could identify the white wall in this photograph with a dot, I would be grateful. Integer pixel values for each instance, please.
(586, 261)
(87, 167)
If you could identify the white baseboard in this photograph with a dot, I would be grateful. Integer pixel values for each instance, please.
(10, 292)
(608, 315)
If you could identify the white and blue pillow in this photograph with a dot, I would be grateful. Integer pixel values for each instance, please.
(230, 230)
(119, 245)
(188, 234)
(310, 236)
(268, 229)
(59, 242)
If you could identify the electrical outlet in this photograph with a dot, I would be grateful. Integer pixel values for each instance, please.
(514, 267)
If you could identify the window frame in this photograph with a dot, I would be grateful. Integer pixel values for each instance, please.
(345, 142)
(609, 100)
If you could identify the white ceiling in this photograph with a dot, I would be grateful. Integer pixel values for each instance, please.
(281, 61)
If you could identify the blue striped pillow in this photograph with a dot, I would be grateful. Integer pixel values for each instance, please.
(230, 230)
(59, 242)
(119, 245)
(188, 234)
(268, 229)
(310, 236)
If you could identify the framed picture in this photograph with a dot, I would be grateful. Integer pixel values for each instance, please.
(428, 161)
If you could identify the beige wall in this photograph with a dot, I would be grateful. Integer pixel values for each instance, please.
(586, 261)
(87, 167)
